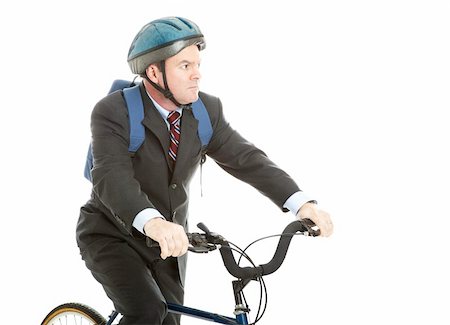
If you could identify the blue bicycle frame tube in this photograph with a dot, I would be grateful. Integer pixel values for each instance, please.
(242, 318)
(216, 318)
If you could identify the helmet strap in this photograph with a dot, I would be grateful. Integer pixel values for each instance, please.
(165, 91)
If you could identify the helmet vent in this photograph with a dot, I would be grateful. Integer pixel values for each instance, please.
(185, 22)
(167, 22)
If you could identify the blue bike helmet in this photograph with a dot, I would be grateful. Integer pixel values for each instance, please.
(161, 39)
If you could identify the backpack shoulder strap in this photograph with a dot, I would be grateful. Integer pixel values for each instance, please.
(135, 107)
(205, 130)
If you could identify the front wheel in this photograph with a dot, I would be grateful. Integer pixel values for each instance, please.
(73, 314)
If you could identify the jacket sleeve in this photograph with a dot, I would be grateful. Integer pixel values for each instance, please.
(243, 160)
(112, 174)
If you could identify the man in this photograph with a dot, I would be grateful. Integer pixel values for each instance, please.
(147, 195)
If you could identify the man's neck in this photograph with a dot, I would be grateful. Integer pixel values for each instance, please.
(164, 102)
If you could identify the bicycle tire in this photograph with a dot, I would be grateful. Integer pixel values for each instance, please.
(73, 313)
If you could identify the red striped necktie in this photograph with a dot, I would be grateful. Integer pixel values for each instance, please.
(174, 121)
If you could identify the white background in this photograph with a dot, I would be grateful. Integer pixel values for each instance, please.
(356, 90)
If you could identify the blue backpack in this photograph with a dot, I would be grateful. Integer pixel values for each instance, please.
(135, 107)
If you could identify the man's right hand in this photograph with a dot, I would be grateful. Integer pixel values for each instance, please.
(170, 236)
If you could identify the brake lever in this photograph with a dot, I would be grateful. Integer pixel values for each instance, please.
(199, 243)
(311, 229)
(205, 242)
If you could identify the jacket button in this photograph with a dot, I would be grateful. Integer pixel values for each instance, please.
(173, 186)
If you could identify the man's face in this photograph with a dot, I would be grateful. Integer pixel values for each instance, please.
(183, 74)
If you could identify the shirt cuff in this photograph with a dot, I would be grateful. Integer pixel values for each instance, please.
(144, 216)
(296, 201)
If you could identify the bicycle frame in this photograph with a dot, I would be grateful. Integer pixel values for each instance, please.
(240, 319)
(212, 317)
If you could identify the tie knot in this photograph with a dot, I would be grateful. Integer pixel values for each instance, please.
(173, 117)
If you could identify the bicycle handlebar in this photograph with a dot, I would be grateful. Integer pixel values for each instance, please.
(209, 241)
(304, 226)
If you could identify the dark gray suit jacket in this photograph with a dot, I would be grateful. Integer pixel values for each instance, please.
(124, 186)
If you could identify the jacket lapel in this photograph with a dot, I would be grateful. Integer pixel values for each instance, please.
(155, 123)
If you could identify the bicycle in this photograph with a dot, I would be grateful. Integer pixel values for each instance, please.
(78, 313)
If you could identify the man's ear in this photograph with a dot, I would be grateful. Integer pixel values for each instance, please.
(152, 73)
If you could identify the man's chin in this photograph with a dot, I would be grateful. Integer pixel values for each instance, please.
(192, 98)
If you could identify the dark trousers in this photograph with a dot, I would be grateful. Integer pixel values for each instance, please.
(136, 279)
